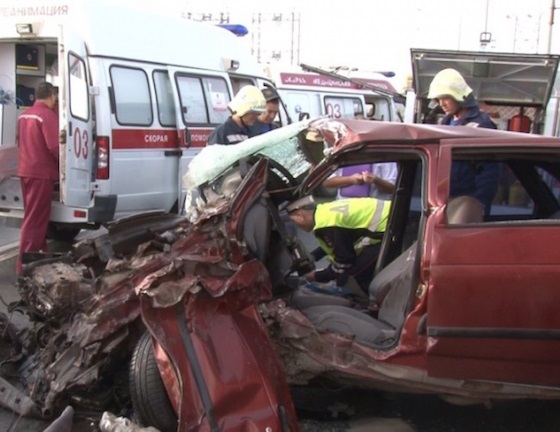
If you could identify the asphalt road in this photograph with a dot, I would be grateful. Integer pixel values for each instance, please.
(376, 412)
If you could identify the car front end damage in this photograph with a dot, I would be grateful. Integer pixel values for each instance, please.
(210, 297)
(194, 287)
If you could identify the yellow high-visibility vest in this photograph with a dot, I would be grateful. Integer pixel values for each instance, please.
(354, 213)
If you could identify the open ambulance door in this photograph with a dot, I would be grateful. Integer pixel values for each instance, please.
(75, 110)
(346, 106)
(183, 140)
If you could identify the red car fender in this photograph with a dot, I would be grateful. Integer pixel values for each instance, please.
(224, 359)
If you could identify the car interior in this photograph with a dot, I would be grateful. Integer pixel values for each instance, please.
(393, 286)
(377, 322)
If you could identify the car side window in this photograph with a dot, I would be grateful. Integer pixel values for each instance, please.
(524, 186)
(164, 99)
(79, 97)
(204, 100)
(133, 103)
(217, 99)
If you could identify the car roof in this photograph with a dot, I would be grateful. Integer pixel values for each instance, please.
(415, 134)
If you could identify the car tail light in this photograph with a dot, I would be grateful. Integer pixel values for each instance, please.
(102, 158)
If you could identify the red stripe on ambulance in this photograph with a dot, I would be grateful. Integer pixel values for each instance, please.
(139, 139)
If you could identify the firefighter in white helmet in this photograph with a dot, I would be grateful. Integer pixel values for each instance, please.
(456, 99)
(245, 107)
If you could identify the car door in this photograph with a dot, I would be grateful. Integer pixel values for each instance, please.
(76, 150)
(493, 293)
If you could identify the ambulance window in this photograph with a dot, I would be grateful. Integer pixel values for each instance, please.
(79, 106)
(238, 83)
(298, 103)
(133, 104)
(217, 99)
(164, 96)
(344, 107)
(192, 100)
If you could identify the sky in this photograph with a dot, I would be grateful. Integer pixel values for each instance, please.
(371, 35)
(377, 35)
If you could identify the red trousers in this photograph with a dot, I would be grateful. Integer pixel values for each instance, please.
(37, 198)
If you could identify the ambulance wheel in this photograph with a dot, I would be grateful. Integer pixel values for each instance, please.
(148, 395)
(55, 232)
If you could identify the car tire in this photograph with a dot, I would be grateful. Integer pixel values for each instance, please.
(57, 233)
(147, 393)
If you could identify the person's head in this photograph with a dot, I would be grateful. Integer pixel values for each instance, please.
(247, 105)
(451, 91)
(272, 105)
(47, 93)
(302, 213)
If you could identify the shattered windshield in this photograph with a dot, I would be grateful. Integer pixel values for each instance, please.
(281, 145)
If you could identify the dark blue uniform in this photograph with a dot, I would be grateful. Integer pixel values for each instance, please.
(259, 128)
(477, 179)
(229, 132)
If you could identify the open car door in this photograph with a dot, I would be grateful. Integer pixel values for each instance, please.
(75, 110)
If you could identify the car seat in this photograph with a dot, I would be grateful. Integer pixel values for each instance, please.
(392, 288)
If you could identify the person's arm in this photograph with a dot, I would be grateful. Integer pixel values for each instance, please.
(49, 127)
(383, 176)
(212, 138)
(343, 181)
(344, 255)
(381, 184)
(318, 254)
(486, 179)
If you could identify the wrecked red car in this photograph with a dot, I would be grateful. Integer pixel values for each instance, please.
(208, 316)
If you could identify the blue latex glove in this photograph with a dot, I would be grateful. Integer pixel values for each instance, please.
(331, 289)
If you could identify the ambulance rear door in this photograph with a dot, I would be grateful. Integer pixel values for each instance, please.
(347, 106)
(75, 110)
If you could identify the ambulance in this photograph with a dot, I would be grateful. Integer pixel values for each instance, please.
(139, 93)
(309, 91)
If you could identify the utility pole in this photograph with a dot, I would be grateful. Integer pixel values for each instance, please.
(550, 26)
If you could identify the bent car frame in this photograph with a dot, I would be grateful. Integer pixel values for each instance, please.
(211, 314)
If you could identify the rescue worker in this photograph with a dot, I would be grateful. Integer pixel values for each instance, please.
(265, 121)
(245, 107)
(37, 168)
(456, 98)
(349, 232)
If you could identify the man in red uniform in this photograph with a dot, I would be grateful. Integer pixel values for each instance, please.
(37, 168)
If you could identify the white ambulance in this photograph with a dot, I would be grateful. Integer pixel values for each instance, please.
(138, 95)
(309, 91)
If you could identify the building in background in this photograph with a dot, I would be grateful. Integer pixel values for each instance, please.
(275, 37)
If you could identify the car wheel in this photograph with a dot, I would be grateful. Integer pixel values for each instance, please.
(148, 395)
(55, 232)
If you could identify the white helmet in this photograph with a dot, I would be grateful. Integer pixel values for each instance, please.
(248, 99)
(449, 82)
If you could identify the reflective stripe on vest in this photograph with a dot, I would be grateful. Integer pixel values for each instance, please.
(352, 213)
